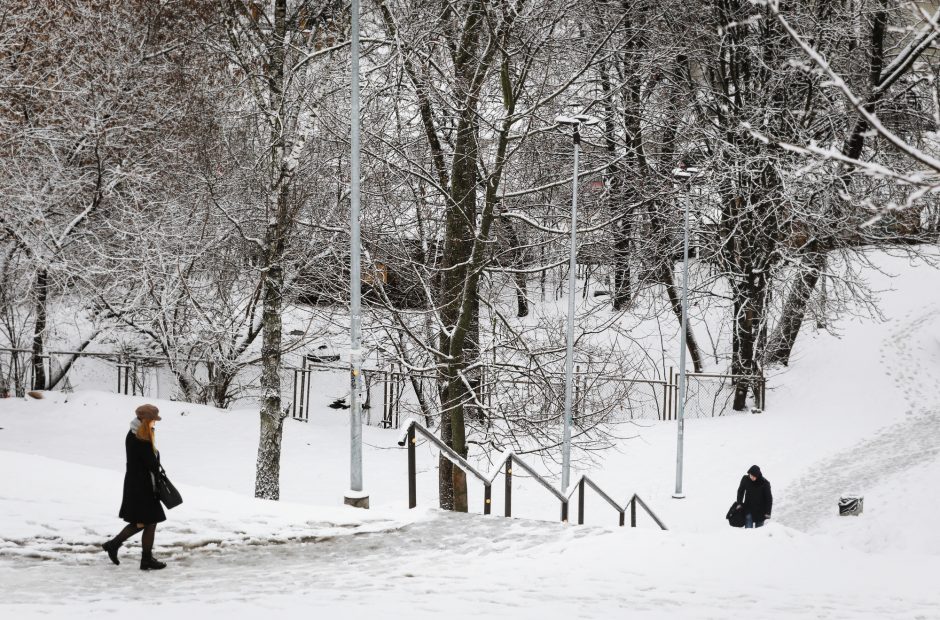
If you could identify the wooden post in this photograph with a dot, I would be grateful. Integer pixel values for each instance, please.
(564, 511)
(508, 501)
(487, 498)
(633, 511)
(622, 517)
(581, 501)
(412, 470)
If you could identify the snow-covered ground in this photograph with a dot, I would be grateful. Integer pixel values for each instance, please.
(856, 412)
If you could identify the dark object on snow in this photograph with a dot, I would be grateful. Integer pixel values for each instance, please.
(148, 563)
(736, 516)
(170, 497)
(112, 547)
(36, 394)
(339, 403)
(140, 503)
(851, 505)
(755, 495)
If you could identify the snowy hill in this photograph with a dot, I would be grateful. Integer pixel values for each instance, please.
(859, 412)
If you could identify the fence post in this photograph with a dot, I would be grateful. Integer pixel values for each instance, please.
(662, 415)
(386, 423)
(412, 470)
(564, 511)
(581, 501)
(622, 517)
(397, 398)
(669, 396)
(508, 501)
(293, 402)
(633, 511)
(487, 498)
(303, 391)
(309, 391)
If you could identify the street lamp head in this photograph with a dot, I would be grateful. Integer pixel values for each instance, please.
(566, 120)
(577, 120)
(586, 120)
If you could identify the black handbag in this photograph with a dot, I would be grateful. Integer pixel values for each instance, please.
(736, 517)
(167, 493)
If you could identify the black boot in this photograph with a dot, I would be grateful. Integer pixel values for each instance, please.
(112, 547)
(148, 563)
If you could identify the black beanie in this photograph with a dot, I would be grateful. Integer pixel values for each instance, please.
(754, 471)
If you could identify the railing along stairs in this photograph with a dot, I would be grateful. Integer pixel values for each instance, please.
(510, 461)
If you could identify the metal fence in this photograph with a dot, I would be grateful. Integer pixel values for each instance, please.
(499, 392)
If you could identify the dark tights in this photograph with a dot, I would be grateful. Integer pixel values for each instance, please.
(147, 540)
(130, 529)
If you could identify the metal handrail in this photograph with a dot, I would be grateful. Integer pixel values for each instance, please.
(636, 498)
(452, 454)
(409, 438)
(525, 466)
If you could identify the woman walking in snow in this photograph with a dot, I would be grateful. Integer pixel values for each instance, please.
(754, 497)
(140, 506)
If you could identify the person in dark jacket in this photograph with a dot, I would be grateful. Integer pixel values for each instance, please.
(755, 498)
(140, 506)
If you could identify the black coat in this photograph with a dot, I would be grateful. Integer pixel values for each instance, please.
(140, 503)
(756, 497)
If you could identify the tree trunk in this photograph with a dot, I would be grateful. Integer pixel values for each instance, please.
(667, 278)
(522, 302)
(621, 293)
(794, 311)
(445, 478)
(750, 304)
(220, 384)
(267, 481)
(39, 329)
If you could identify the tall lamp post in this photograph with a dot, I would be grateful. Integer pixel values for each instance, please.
(683, 175)
(355, 496)
(575, 122)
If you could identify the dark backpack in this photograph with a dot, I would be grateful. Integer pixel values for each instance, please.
(735, 517)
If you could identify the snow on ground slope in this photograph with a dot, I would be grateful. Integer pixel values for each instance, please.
(470, 567)
(856, 412)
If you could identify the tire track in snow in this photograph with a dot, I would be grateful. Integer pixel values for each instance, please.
(894, 449)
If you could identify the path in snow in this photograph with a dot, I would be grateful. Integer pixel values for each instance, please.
(467, 566)
(893, 450)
